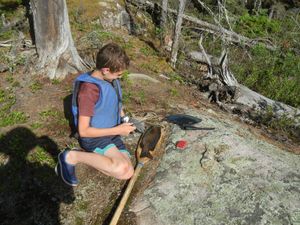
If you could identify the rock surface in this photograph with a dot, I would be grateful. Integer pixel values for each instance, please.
(225, 176)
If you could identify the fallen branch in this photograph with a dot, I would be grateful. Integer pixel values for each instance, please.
(24, 43)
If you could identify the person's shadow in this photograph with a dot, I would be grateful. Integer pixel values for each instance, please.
(30, 191)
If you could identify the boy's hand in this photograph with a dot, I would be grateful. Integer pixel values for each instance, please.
(126, 128)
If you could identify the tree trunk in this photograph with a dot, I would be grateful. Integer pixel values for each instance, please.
(177, 32)
(54, 43)
(164, 13)
(163, 21)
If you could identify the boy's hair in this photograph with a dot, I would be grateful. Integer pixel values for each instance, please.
(112, 56)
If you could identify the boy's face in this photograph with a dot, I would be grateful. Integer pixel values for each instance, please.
(108, 75)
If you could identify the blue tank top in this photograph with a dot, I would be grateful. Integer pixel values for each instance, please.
(107, 108)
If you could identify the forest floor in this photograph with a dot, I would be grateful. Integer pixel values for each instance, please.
(31, 193)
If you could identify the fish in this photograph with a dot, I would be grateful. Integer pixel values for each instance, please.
(140, 125)
(149, 141)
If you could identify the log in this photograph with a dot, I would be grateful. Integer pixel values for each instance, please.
(251, 98)
(262, 103)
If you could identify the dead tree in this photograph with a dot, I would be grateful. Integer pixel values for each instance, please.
(54, 43)
(219, 81)
(163, 21)
(177, 32)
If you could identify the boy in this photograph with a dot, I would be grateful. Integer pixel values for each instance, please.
(97, 110)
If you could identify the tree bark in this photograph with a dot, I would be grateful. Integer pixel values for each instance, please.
(177, 32)
(163, 21)
(54, 43)
(164, 14)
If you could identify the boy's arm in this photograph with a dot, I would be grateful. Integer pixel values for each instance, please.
(85, 130)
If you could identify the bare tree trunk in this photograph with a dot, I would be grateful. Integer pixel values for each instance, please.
(163, 21)
(164, 13)
(54, 43)
(177, 32)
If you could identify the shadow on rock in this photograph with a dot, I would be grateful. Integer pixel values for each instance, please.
(30, 191)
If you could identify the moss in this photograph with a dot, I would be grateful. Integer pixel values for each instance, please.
(40, 156)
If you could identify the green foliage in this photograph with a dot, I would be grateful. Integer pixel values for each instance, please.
(36, 125)
(174, 92)
(125, 76)
(147, 51)
(159, 31)
(7, 100)
(48, 114)
(12, 81)
(283, 123)
(150, 66)
(273, 74)
(7, 35)
(55, 118)
(12, 118)
(8, 8)
(35, 86)
(127, 45)
(11, 2)
(41, 156)
(254, 26)
(126, 96)
(98, 37)
(11, 60)
(55, 81)
(176, 77)
(141, 97)
(76, 19)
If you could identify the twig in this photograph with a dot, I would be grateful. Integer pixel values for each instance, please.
(203, 155)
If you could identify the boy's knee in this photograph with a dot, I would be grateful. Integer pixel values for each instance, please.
(123, 170)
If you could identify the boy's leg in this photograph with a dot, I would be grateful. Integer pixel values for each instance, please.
(122, 158)
(113, 163)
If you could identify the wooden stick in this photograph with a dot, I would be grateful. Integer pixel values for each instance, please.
(128, 190)
(150, 133)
